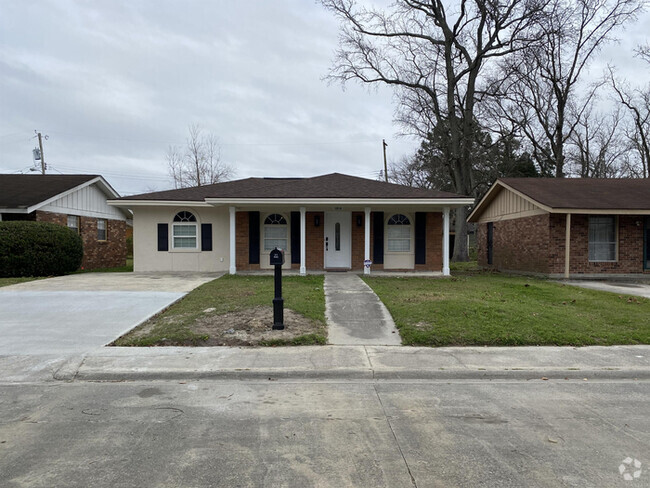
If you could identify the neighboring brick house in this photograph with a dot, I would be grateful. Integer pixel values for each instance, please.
(565, 227)
(329, 222)
(75, 201)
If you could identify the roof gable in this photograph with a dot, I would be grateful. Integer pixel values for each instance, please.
(563, 195)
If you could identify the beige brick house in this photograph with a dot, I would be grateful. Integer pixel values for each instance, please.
(329, 222)
(565, 227)
(75, 201)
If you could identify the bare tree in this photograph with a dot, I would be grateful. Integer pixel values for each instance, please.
(541, 84)
(597, 146)
(636, 102)
(199, 162)
(433, 53)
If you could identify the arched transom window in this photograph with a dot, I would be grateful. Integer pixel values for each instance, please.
(275, 232)
(398, 234)
(184, 231)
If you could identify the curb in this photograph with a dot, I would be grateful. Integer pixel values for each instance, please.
(350, 374)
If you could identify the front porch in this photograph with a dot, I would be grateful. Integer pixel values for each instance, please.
(393, 239)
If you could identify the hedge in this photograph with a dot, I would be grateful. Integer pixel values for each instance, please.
(38, 249)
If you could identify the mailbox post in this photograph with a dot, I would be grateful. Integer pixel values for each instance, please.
(276, 259)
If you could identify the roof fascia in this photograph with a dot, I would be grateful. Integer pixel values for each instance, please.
(444, 202)
(601, 211)
(162, 203)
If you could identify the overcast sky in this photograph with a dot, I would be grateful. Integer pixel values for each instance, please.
(113, 84)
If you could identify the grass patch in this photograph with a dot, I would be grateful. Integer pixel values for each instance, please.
(230, 298)
(15, 281)
(476, 308)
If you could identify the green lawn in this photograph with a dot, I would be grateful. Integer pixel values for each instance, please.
(476, 308)
(302, 294)
(14, 281)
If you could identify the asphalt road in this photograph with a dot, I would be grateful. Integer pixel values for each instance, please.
(467, 433)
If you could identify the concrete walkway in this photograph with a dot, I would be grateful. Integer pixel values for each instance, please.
(355, 315)
(636, 289)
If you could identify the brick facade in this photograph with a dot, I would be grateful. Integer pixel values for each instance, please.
(537, 244)
(315, 235)
(110, 253)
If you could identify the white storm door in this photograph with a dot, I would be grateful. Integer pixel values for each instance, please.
(337, 239)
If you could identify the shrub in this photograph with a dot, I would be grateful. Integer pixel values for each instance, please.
(38, 249)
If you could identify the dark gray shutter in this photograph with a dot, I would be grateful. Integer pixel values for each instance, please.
(206, 237)
(253, 238)
(163, 237)
(378, 237)
(295, 237)
(420, 238)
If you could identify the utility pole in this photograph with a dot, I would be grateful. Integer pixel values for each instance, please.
(40, 146)
(385, 165)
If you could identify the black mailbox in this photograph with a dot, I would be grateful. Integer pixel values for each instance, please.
(276, 257)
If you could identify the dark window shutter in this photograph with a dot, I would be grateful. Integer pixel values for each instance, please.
(206, 237)
(253, 238)
(378, 237)
(163, 237)
(295, 237)
(420, 238)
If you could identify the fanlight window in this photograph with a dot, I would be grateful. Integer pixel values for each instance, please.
(184, 231)
(275, 232)
(398, 233)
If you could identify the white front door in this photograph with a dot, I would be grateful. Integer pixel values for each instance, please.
(337, 239)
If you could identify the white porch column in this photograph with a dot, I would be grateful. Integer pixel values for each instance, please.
(303, 240)
(567, 247)
(233, 242)
(445, 241)
(366, 244)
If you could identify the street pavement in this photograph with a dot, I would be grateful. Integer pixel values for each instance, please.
(308, 433)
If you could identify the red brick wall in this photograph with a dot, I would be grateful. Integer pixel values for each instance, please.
(97, 254)
(518, 244)
(434, 243)
(630, 246)
(537, 244)
(314, 238)
(241, 243)
(358, 240)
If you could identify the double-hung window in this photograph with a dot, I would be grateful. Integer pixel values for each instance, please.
(73, 223)
(398, 234)
(275, 232)
(602, 238)
(184, 231)
(101, 230)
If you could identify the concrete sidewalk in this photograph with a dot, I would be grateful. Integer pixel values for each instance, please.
(355, 315)
(341, 363)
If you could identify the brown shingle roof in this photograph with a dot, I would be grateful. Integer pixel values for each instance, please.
(335, 186)
(23, 191)
(585, 193)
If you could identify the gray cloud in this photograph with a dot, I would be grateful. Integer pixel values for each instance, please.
(114, 83)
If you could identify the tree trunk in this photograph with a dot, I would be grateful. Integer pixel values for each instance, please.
(460, 241)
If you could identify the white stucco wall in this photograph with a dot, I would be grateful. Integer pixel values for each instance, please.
(146, 256)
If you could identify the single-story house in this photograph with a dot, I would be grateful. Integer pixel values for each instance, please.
(329, 222)
(75, 201)
(565, 227)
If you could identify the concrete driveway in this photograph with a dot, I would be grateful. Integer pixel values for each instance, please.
(77, 313)
(622, 288)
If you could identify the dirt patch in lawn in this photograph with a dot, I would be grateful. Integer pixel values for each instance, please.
(247, 327)
(253, 326)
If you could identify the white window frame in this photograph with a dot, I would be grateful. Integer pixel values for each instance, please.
(176, 225)
(592, 222)
(401, 239)
(76, 228)
(105, 229)
(266, 226)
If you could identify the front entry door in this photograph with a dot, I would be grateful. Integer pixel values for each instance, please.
(337, 239)
(646, 244)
